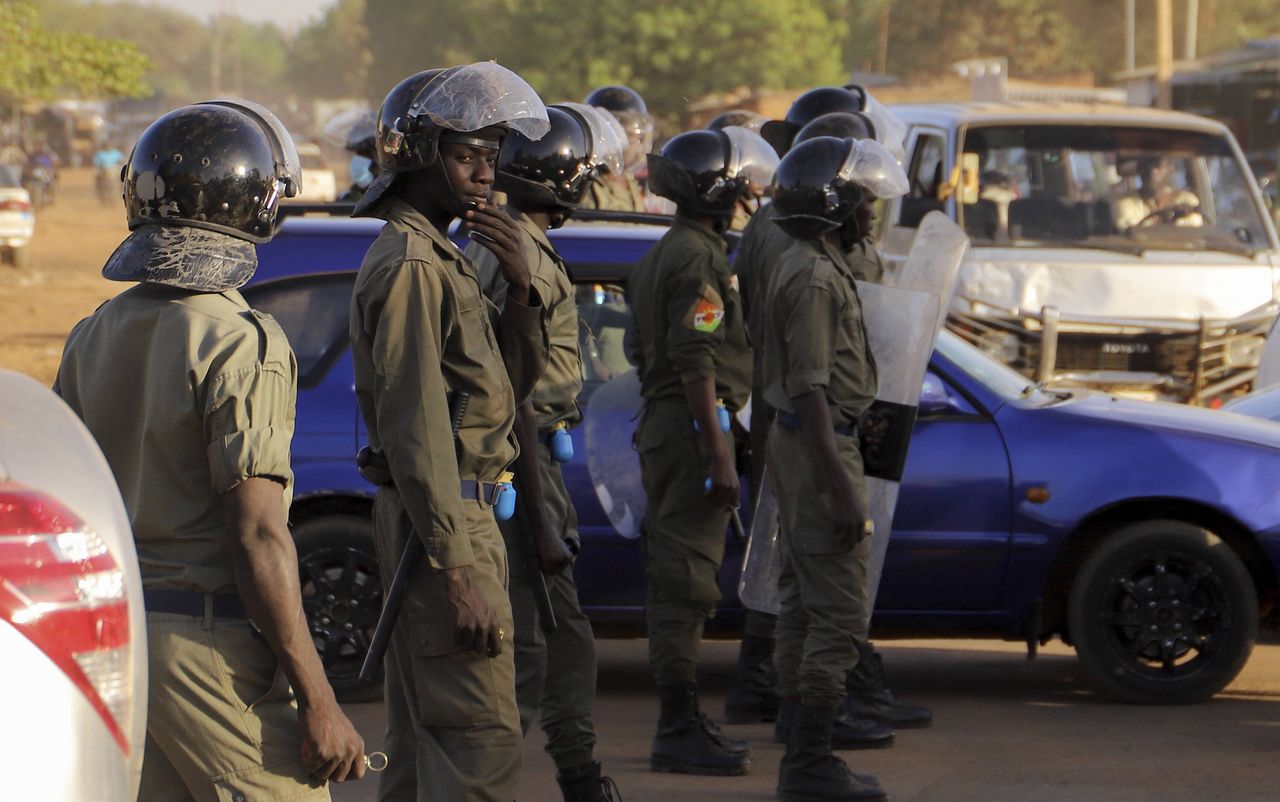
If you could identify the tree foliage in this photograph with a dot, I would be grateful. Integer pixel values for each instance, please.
(38, 64)
(330, 57)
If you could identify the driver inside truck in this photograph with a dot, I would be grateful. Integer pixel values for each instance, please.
(1155, 199)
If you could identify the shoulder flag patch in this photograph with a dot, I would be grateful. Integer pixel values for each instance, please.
(708, 311)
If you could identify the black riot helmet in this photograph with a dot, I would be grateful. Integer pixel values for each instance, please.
(617, 99)
(805, 109)
(706, 172)
(362, 137)
(552, 172)
(750, 120)
(220, 165)
(809, 196)
(453, 104)
(839, 124)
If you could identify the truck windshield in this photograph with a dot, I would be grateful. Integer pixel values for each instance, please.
(1131, 188)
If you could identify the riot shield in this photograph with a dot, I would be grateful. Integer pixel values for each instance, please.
(611, 418)
(902, 322)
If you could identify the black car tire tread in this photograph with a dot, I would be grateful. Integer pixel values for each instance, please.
(1108, 573)
(327, 539)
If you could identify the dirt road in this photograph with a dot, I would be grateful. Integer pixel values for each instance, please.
(1006, 730)
(40, 304)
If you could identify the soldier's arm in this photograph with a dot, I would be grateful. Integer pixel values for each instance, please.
(695, 309)
(411, 401)
(248, 426)
(552, 553)
(810, 317)
(266, 570)
(522, 330)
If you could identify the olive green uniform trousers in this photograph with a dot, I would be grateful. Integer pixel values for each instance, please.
(823, 585)
(453, 731)
(555, 671)
(683, 538)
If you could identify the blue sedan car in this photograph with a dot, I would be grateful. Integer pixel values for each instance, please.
(1147, 535)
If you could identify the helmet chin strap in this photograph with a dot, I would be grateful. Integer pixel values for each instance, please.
(850, 232)
(448, 193)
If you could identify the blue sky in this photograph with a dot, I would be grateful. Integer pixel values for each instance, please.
(288, 14)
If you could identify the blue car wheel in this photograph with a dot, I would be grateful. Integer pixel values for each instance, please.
(1163, 612)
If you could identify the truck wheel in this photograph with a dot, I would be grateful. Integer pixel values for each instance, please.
(1163, 612)
(342, 598)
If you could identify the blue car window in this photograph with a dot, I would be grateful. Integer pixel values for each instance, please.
(313, 311)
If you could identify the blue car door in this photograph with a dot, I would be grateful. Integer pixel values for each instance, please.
(952, 525)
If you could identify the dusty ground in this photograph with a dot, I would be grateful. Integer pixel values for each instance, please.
(40, 304)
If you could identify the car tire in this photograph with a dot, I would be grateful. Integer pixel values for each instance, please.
(342, 598)
(1163, 612)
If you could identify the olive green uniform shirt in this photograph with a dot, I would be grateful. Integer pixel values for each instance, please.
(688, 317)
(555, 399)
(610, 194)
(421, 329)
(815, 334)
(188, 394)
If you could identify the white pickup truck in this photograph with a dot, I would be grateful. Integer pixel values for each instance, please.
(1114, 247)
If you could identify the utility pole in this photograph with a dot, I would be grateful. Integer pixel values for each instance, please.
(1164, 53)
(882, 51)
(1130, 30)
(1193, 25)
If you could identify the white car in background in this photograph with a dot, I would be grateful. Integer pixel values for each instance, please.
(319, 184)
(72, 631)
(17, 218)
(1077, 275)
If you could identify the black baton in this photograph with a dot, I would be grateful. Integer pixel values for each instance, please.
(409, 558)
(540, 595)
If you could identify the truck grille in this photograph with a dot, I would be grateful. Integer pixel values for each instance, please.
(1155, 353)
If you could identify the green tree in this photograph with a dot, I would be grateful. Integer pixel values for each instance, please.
(330, 58)
(39, 64)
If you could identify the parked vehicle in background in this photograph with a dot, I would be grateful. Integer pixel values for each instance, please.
(319, 184)
(72, 633)
(17, 217)
(1146, 534)
(1120, 248)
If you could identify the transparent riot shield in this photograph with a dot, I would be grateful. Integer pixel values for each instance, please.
(902, 321)
(609, 422)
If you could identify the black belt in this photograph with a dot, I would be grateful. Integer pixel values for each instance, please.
(480, 491)
(187, 602)
(793, 422)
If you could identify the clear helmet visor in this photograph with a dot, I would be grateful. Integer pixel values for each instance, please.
(350, 126)
(476, 96)
(871, 166)
(288, 165)
(750, 156)
(891, 131)
(608, 141)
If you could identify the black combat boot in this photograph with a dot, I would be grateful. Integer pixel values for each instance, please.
(810, 773)
(867, 696)
(787, 719)
(688, 742)
(847, 732)
(753, 696)
(585, 784)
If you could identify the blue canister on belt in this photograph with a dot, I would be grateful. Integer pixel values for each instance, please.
(505, 507)
(561, 443)
(722, 417)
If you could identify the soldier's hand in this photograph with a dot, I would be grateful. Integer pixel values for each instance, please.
(475, 622)
(494, 229)
(848, 509)
(331, 747)
(724, 490)
(553, 553)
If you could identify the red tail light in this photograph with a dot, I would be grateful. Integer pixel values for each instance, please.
(62, 589)
(14, 205)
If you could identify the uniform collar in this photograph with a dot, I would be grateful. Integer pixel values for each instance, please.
(838, 257)
(398, 211)
(703, 230)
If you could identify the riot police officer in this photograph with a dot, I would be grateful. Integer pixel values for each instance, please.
(693, 357)
(555, 660)
(439, 371)
(820, 376)
(363, 167)
(190, 394)
(622, 190)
